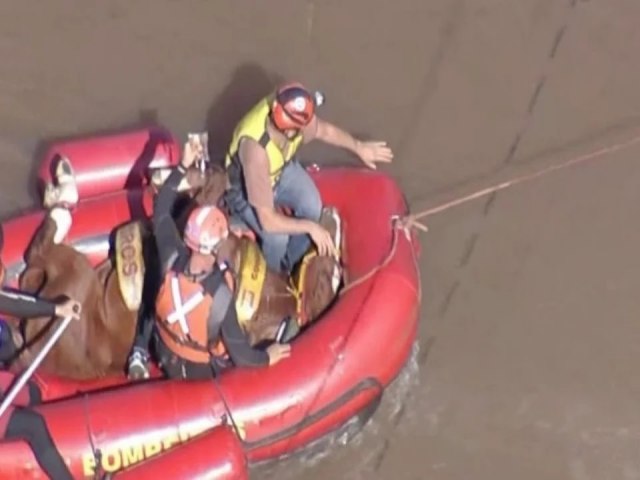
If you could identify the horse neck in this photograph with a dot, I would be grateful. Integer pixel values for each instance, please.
(213, 188)
(228, 251)
(274, 283)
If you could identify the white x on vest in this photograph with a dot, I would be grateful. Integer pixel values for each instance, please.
(182, 309)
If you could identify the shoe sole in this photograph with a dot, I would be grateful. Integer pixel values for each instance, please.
(330, 219)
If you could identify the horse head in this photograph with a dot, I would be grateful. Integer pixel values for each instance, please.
(209, 186)
(204, 186)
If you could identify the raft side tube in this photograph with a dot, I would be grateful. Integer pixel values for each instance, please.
(112, 162)
(215, 455)
(365, 337)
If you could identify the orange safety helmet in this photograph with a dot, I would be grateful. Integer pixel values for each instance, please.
(206, 228)
(293, 107)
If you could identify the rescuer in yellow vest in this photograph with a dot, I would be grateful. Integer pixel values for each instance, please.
(264, 173)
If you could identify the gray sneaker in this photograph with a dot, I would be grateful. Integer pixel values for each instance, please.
(138, 368)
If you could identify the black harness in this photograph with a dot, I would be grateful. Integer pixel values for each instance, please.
(214, 285)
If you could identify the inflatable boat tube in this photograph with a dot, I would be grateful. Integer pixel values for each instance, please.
(114, 162)
(338, 367)
(217, 454)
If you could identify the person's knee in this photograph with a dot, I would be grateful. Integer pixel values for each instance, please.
(8, 348)
(315, 205)
(310, 206)
(274, 247)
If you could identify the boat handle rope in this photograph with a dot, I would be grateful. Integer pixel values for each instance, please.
(228, 414)
(98, 473)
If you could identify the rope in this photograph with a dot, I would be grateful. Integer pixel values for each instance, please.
(397, 224)
(410, 222)
(524, 178)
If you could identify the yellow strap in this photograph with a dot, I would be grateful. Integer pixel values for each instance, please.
(251, 277)
(298, 282)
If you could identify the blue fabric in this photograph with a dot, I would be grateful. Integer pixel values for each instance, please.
(295, 189)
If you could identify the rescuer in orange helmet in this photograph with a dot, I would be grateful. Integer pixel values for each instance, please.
(196, 323)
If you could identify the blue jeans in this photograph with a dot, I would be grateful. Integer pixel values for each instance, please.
(295, 190)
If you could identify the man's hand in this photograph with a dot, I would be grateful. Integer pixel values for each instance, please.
(69, 308)
(369, 152)
(277, 352)
(372, 152)
(322, 238)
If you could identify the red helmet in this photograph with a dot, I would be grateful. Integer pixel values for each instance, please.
(293, 107)
(206, 228)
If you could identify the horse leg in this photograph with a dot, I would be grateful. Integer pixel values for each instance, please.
(43, 264)
(38, 255)
(54, 227)
(40, 262)
(79, 353)
(51, 232)
(57, 199)
(119, 321)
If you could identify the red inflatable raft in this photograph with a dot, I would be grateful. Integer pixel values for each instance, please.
(338, 368)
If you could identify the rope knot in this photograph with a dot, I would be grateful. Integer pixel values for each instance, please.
(407, 223)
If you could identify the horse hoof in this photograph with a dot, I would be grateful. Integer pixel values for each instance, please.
(64, 171)
(66, 192)
(50, 196)
(64, 195)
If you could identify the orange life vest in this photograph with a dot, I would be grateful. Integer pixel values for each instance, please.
(182, 313)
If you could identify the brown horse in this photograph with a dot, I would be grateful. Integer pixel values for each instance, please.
(99, 344)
